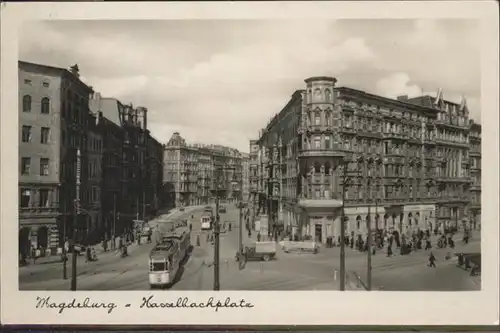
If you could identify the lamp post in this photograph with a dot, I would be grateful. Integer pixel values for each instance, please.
(216, 285)
(76, 211)
(342, 227)
(345, 183)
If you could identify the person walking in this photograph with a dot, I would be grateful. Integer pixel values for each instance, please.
(432, 260)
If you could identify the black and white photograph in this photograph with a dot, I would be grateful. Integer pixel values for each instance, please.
(175, 155)
(211, 171)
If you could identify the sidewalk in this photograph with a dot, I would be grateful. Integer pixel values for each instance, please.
(54, 269)
(54, 260)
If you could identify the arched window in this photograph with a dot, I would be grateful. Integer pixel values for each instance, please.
(45, 105)
(26, 103)
(327, 95)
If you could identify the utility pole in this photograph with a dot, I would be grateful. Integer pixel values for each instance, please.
(369, 243)
(280, 209)
(216, 235)
(342, 230)
(64, 252)
(76, 211)
(114, 216)
(240, 239)
(143, 205)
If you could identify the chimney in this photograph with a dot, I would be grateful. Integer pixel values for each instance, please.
(75, 70)
(402, 98)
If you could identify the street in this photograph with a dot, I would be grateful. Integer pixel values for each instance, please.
(290, 271)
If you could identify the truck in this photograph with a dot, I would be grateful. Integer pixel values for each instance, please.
(258, 250)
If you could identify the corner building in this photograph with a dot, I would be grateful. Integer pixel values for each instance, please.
(195, 173)
(407, 163)
(53, 118)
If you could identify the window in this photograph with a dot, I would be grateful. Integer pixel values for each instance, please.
(327, 142)
(26, 103)
(317, 119)
(24, 198)
(45, 105)
(44, 198)
(45, 84)
(26, 133)
(317, 142)
(25, 165)
(44, 167)
(27, 81)
(44, 135)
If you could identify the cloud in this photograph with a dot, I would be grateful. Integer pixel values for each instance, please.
(398, 84)
(220, 81)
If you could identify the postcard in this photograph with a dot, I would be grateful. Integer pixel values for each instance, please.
(250, 163)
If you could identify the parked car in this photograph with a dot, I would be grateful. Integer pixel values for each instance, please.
(222, 209)
(181, 209)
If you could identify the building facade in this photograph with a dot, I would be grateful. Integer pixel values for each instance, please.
(475, 170)
(194, 173)
(132, 164)
(53, 125)
(245, 192)
(95, 148)
(400, 164)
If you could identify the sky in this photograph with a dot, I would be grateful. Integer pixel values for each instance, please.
(220, 81)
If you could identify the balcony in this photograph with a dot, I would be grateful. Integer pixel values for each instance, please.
(394, 136)
(52, 211)
(348, 130)
(475, 187)
(445, 142)
(319, 152)
(446, 179)
(475, 152)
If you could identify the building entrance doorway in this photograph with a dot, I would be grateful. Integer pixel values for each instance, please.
(318, 233)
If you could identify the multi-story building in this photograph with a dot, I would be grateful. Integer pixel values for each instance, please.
(53, 125)
(253, 177)
(245, 191)
(132, 164)
(112, 144)
(194, 173)
(95, 227)
(180, 170)
(400, 164)
(475, 171)
(154, 175)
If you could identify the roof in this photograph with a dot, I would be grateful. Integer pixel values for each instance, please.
(321, 78)
(363, 94)
(31, 66)
(164, 248)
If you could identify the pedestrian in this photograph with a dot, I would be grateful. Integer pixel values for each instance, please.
(427, 244)
(258, 236)
(374, 248)
(33, 254)
(432, 260)
(389, 251)
(105, 244)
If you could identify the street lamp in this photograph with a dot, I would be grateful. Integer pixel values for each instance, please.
(216, 285)
(345, 183)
